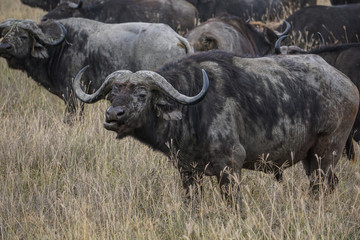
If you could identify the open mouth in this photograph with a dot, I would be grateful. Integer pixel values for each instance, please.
(5, 55)
(112, 126)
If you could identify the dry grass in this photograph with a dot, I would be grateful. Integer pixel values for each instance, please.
(62, 182)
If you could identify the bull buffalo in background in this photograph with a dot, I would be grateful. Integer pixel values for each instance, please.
(337, 24)
(46, 5)
(49, 5)
(339, 2)
(255, 9)
(232, 34)
(178, 14)
(280, 105)
(53, 52)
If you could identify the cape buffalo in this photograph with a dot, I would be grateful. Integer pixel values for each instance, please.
(178, 14)
(255, 9)
(291, 107)
(232, 34)
(49, 5)
(46, 5)
(53, 52)
(337, 24)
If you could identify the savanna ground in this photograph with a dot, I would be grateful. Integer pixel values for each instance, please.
(78, 182)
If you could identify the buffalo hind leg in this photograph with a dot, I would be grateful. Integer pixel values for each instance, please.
(321, 161)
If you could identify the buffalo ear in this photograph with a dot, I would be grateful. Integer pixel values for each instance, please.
(167, 110)
(206, 43)
(39, 51)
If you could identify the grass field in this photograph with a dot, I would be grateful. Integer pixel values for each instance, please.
(78, 182)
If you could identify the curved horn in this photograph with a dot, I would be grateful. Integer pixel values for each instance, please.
(104, 89)
(322, 40)
(166, 87)
(76, 6)
(278, 43)
(287, 30)
(62, 35)
(48, 39)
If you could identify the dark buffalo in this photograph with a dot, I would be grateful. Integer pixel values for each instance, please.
(178, 14)
(41, 51)
(283, 106)
(49, 5)
(337, 24)
(255, 9)
(46, 5)
(339, 2)
(232, 34)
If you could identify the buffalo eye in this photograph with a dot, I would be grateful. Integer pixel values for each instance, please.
(24, 37)
(3, 34)
(141, 93)
(112, 97)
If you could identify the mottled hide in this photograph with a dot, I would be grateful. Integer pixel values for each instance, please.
(293, 108)
(178, 14)
(106, 47)
(346, 58)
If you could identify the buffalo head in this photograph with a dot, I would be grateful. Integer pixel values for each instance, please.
(136, 97)
(65, 9)
(232, 34)
(24, 38)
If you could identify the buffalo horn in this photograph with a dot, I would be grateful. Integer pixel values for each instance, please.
(287, 30)
(278, 43)
(104, 89)
(322, 40)
(76, 6)
(166, 87)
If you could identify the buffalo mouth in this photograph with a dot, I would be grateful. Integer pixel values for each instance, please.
(112, 125)
(5, 55)
(120, 128)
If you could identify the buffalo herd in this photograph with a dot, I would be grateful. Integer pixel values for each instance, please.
(206, 82)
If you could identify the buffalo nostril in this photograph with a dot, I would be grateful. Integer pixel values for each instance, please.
(120, 112)
(114, 113)
(5, 46)
(43, 19)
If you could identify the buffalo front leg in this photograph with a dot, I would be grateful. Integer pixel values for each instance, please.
(229, 176)
(229, 183)
(74, 109)
(192, 183)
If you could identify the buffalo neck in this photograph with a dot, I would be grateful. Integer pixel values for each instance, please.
(160, 134)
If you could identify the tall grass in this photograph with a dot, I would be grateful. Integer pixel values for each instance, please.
(78, 182)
